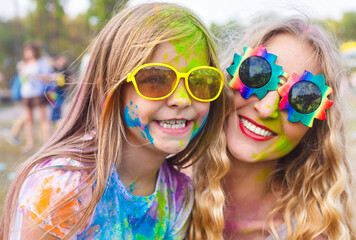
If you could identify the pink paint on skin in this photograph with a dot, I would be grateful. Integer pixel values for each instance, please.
(253, 135)
(174, 130)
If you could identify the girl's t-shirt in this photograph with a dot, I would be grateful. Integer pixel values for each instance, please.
(29, 73)
(118, 215)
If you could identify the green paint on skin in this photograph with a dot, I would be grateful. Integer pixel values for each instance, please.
(283, 146)
(132, 186)
(176, 59)
(193, 55)
(181, 143)
(181, 93)
(275, 108)
(263, 175)
(165, 56)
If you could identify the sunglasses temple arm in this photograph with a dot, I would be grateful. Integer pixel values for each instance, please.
(129, 77)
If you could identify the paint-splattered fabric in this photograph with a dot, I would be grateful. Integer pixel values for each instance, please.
(119, 214)
(49, 187)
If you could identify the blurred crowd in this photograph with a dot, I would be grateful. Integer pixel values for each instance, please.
(41, 84)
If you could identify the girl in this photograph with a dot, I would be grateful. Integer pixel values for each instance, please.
(34, 72)
(151, 88)
(289, 173)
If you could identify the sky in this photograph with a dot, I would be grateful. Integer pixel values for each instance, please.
(218, 11)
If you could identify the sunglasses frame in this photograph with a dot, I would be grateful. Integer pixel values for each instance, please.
(272, 85)
(131, 78)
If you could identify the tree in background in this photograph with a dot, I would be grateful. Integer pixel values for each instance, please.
(101, 11)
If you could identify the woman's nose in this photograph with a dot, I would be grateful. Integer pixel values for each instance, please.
(268, 107)
(180, 97)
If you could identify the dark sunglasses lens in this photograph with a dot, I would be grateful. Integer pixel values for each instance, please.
(205, 83)
(305, 97)
(255, 72)
(155, 81)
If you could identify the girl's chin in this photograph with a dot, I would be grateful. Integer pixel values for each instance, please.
(169, 149)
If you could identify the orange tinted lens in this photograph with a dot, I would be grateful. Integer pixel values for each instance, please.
(205, 83)
(155, 81)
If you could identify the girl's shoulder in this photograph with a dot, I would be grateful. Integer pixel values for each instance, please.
(175, 178)
(177, 184)
(52, 194)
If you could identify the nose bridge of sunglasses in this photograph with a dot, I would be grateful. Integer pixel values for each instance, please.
(181, 93)
(182, 75)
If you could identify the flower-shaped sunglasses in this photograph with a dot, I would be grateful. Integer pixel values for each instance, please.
(304, 97)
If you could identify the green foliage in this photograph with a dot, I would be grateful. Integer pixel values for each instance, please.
(103, 10)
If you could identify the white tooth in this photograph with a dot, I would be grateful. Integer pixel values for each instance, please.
(165, 125)
(169, 126)
(172, 122)
(181, 125)
(258, 130)
(174, 126)
(252, 128)
(179, 121)
(263, 132)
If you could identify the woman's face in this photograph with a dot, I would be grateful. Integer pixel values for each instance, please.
(257, 130)
(169, 124)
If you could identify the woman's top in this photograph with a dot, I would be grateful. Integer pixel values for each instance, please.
(118, 215)
(30, 75)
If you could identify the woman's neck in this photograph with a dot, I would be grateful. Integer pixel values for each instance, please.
(249, 198)
(249, 179)
(139, 167)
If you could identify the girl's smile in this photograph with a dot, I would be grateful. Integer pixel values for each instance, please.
(177, 126)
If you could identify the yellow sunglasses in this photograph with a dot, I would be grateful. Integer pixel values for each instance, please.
(157, 81)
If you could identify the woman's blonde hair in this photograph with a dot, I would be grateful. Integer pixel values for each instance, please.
(316, 176)
(126, 42)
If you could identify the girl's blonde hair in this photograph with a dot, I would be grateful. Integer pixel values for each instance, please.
(127, 41)
(315, 176)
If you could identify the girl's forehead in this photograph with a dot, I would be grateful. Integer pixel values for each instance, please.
(185, 59)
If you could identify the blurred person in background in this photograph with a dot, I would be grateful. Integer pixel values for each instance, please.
(34, 72)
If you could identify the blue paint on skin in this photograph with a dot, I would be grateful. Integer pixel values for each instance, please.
(135, 122)
(197, 129)
(147, 131)
(129, 121)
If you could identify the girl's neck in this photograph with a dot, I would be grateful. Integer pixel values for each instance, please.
(139, 167)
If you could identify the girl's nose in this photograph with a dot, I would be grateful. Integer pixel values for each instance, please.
(180, 97)
(268, 107)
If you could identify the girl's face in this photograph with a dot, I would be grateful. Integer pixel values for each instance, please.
(251, 146)
(28, 53)
(168, 124)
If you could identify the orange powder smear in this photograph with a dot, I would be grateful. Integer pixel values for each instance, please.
(44, 197)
